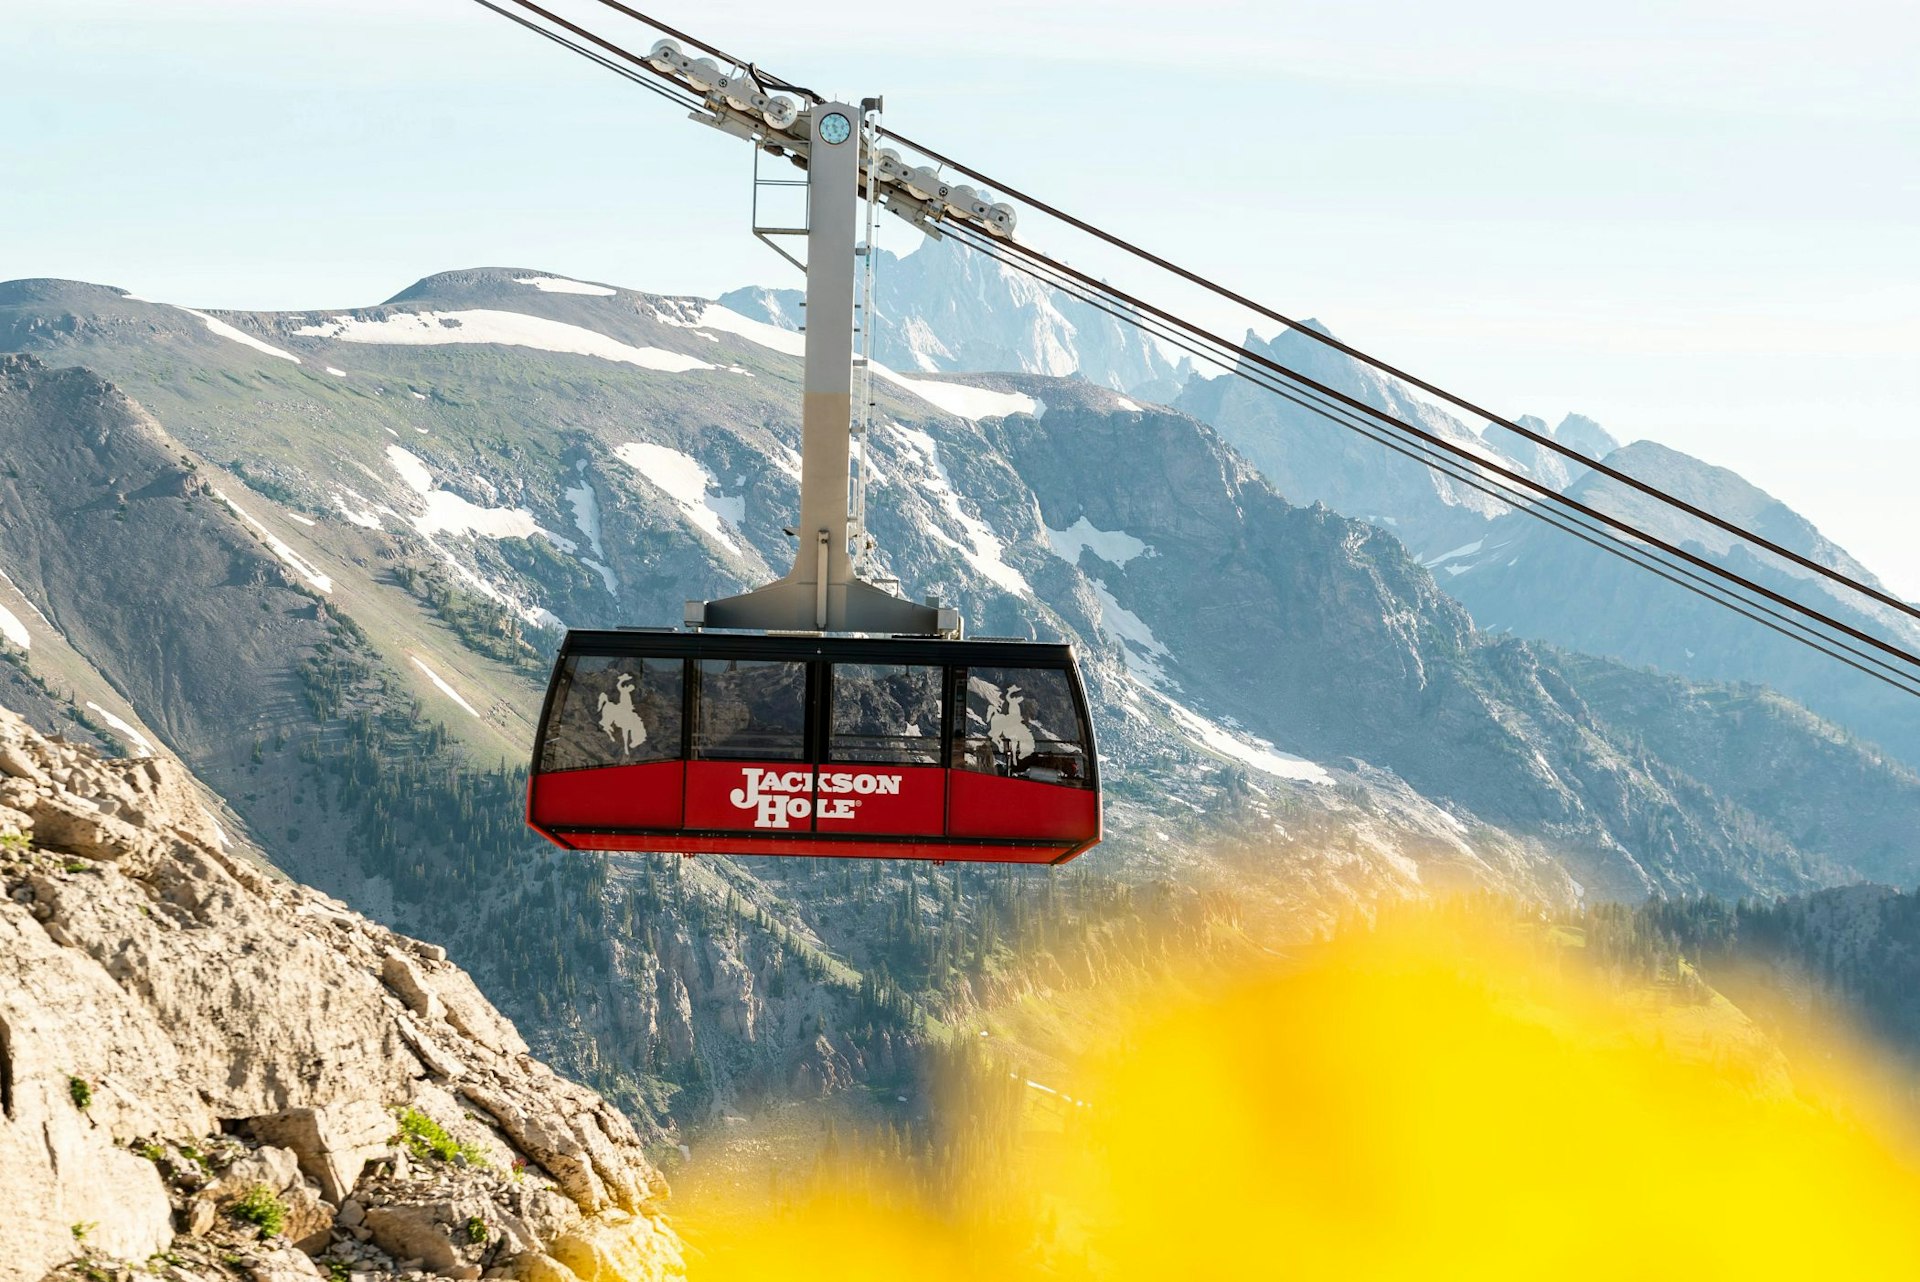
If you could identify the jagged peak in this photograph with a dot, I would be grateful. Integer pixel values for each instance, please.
(1577, 431)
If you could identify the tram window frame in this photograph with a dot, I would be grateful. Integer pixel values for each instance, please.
(662, 743)
(957, 736)
(802, 736)
(932, 749)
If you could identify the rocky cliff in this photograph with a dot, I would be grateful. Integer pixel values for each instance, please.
(208, 1072)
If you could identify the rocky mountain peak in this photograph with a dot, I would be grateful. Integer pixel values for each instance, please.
(1577, 431)
(203, 1064)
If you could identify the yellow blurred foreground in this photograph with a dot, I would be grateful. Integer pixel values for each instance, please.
(1422, 1101)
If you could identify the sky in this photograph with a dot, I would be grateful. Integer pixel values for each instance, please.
(1695, 222)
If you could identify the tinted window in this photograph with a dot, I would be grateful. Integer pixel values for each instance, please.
(886, 712)
(751, 708)
(614, 711)
(1022, 722)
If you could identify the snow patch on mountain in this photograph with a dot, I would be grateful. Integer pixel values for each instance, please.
(561, 285)
(586, 517)
(13, 630)
(983, 548)
(441, 684)
(962, 401)
(728, 321)
(1465, 549)
(366, 520)
(685, 480)
(507, 329)
(417, 475)
(337, 373)
(538, 615)
(450, 513)
(1141, 649)
(225, 330)
(133, 737)
(1246, 749)
(1114, 546)
(299, 564)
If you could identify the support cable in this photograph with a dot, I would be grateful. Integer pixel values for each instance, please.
(1633, 553)
(1327, 340)
(1398, 425)
(651, 85)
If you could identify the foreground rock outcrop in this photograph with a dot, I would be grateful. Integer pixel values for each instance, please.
(208, 1072)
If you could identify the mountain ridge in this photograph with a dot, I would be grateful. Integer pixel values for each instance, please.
(1279, 687)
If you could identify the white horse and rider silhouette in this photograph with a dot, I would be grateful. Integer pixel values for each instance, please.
(619, 718)
(1007, 727)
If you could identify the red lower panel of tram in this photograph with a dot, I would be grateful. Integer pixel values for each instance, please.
(778, 808)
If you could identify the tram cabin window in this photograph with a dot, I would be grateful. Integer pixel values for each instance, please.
(750, 709)
(1021, 723)
(613, 710)
(887, 713)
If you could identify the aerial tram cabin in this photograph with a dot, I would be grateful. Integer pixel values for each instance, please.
(819, 714)
(870, 747)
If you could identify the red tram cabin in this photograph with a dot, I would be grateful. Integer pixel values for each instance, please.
(883, 748)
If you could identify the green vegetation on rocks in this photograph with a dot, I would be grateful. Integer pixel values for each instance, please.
(262, 1208)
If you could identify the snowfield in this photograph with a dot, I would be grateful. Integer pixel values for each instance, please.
(441, 685)
(961, 401)
(1142, 649)
(506, 329)
(1258, 753)
(728, 321)
(686, 481)
(1115, 546)
(133, 737)
(13, 630)
(449, 513)
(366, 520)
(561, 285)
(225, 330)
(983, 547)
(586, 516)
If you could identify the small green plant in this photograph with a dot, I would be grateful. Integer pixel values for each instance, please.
(83, 1228)
(339, 1271)
(476, 1230)
(426, 1138)
(259, 1207)
(75, 865)
(152, 1152)
(81, 1092)
(15, 843)
(94, 1273)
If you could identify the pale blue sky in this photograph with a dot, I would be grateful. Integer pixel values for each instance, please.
(1695, 222)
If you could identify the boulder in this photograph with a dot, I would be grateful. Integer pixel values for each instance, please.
(332, 1145)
